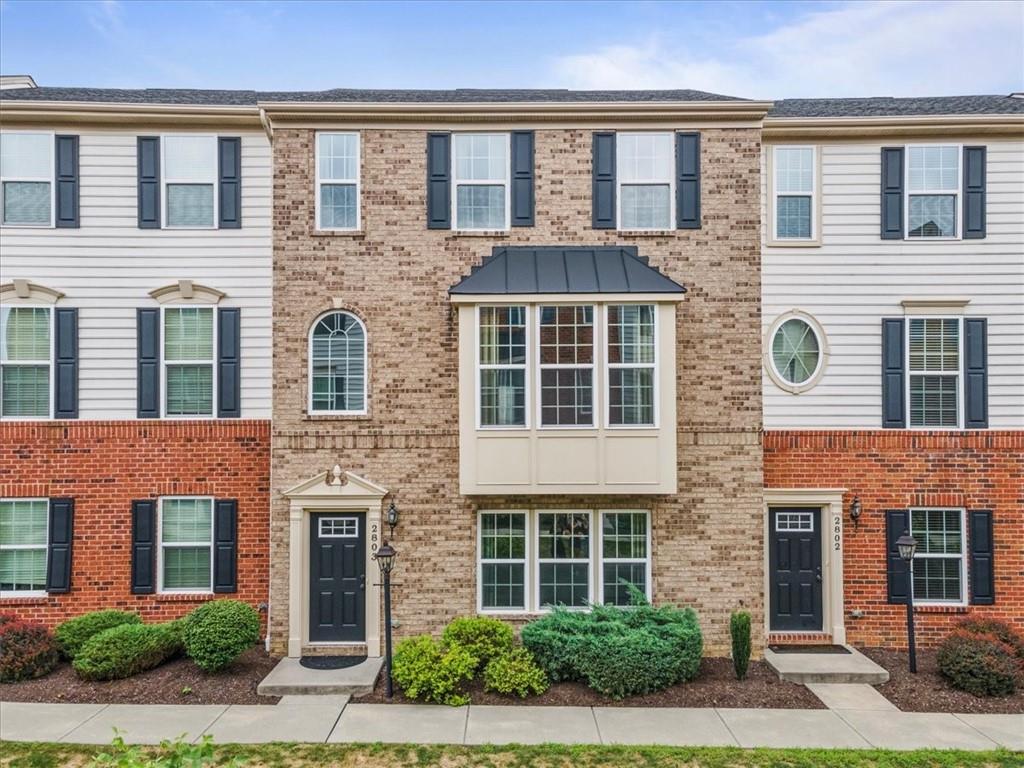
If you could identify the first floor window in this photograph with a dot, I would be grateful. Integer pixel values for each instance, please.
(934, 371)
(563, 554)
(189, 360)
(631, 365)
(190, 180)
(23, 545)
(25, 362)
(186, 544)
(624, 556)
(26, 178)
(939, 560)
(503, 561)
(337, 360)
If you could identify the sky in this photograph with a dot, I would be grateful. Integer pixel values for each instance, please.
(765, 50)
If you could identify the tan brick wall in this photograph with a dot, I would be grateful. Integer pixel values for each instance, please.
(707, 539)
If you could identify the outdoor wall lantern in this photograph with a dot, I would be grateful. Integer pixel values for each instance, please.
(392, 518)
(855, 511)
(385, 557)
(907, 546)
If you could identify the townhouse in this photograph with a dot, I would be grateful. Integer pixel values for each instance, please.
(553, 345)
(135, 275)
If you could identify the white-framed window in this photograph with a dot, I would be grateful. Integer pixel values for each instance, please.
(186, 544)
(625, 555)
(26, 362)
(794, 521)
(940, 562)
(645, 176)
(529, 560)
(189, 179)
(796, 351)
(337, 365)
(794, 193)
(338, 527)
(189, 365)
(481, 168)
(337, 181)
(24, 539)
(934, 391)
(565, 344)
(631, 334)
(502, 334)
(504, 550)
(933, 191)
(26, 178)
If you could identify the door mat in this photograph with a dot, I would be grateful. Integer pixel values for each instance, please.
(331, 662)
(809, 648)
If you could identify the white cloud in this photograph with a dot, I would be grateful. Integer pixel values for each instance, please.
(854, 49)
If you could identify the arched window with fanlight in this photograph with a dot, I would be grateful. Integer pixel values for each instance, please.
(337, 365)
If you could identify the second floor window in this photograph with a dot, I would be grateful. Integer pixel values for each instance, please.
(188, 361)
(934, 371)
(26, 362)
(793, 193)
(933, 183)
(26, 178)
(481, 178)
(190, 181)
(337, 361)
(566, 343)
(502, 359)
(645, 175)
(337, 181)
(631, 365)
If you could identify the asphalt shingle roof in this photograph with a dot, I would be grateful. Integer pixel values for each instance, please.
(887, 106)
(134, 96)
(559, 269)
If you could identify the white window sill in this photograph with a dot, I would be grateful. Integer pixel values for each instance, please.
(649, 232)
(34, 595)
(793, 244)
(354, 234)
(480, 232)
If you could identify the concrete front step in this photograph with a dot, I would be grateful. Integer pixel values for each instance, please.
(804, 668)
(289, 678)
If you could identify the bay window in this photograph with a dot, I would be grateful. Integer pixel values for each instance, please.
(566, 342)
(480, 172)
(502, 361)
(26, 362)
(189, 361)
(631, 365)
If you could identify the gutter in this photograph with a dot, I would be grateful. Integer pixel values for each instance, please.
(790, 127)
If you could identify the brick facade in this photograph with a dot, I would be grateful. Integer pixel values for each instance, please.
(707, 548)
(891, 469)
(104, 465)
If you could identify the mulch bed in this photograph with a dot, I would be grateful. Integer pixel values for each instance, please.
(928, 691)
(715, 686)
(163, 685)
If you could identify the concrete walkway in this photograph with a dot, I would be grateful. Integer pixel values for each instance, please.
(333, 719)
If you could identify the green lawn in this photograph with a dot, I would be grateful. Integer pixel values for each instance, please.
(26, 755)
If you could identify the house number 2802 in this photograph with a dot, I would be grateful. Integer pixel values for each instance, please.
(374, 528)
(837, 534)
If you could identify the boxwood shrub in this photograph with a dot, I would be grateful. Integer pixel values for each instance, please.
(515, 672)
(484, 637)
(425, 669)
(618, 651)
(127, 650)
(218, 632)
(27, 650)
(73, 633)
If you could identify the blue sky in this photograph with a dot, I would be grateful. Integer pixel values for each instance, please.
(769, 49)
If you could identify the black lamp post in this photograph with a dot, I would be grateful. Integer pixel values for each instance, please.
(907, 546)
(385, 557)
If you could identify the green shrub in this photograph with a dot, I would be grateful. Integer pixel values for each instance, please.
(27, 650)
(1002, 630)
(739, 628)
(127, 650)
(979, 663)
(73, 633)
(618, 651)
(218, 632)
(172, 754)
(485, 638)
(424, 669)
(515, 672)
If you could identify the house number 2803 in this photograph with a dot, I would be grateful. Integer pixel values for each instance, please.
(374, 528)
(837, 534)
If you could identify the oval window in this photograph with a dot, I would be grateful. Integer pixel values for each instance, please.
(796, 352)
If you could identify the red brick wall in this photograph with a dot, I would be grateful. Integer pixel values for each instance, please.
(902, 469)
(103, 465)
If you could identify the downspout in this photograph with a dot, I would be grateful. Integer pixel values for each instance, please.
(268, 127)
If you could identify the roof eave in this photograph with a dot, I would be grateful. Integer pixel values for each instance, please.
(891, 125)
(525, 298)
(25, 111)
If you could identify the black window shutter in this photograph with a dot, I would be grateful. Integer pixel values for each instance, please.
(897, 521)
(148, 345)
(522, 179)
(143, 547)
(439, 180)
(229, 177)
(225, 546)
(974, 193)
(58, 561)
(149, 182)
(67, 181)
(688, 180)
(603, 192)
(892, 193)
(229, 363)
(65, 369)
(983, 582)
(975, 373)
(894, 412)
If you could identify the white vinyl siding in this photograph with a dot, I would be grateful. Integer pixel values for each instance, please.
(855, 279)
(186, 545)
(107, 267)
(26, 362)
(26, 179)
(24, 539)
(337, 181)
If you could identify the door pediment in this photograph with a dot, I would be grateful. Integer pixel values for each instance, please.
(336, 484)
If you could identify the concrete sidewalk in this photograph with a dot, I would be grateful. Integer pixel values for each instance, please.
(332, 719)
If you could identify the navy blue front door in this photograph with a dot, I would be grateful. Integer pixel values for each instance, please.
(794, 562)
(337, 578)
